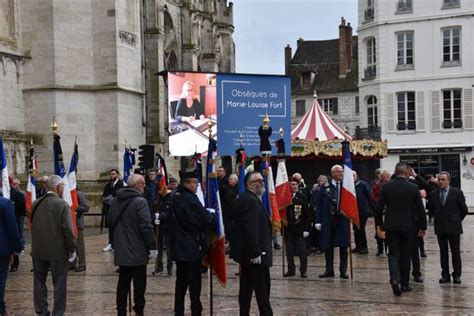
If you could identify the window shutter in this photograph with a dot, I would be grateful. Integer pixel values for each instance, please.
(334, 106)
(420, 111)
(468, 110)
(390, 113)
(435, 111)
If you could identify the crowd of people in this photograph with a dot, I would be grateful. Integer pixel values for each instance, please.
(145, 220)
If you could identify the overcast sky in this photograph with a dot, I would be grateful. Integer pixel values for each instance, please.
(264, 27)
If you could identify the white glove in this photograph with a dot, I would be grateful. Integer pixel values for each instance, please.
(157, 219)
(317, 226)
(305, 234)
(211, 210)
(153, 254)
(256, 260)
(72, 256)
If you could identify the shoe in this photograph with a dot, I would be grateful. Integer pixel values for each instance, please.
(344, 276)
(277, 246)
(327, 274)
(418, 279)
(355, 250)
(444, 280)
(379, 253)
(117, 270)
(169, 273)
(363, 252)
(13, 269)
(304, 275)
(236, 273)
(396, 289)
(456, 280)
(108, 248)
(406, 288)
(288, 274)
(80, 269)
(71, 268)
(423, 255)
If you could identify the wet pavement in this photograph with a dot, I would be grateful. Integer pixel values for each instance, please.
(93, 292)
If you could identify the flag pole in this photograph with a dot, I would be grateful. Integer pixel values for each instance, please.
(282, 231)
(211, 288)
(350, 251)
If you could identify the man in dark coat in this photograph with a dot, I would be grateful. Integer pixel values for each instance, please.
(333, 225)
(110, 192)
(449, 209)
(10, 243)
(363, 205)
(404, 215)
(134, 242)
(189, 227)
(253, 248)
(19, 202)
(299, 222)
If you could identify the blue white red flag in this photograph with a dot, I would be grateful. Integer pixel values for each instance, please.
(31, 187)
(72, 177)
(269, 199)
(60, 170)
(4, 171)
(216, 256)
(240, 159)
(197, 163)
(348, 204)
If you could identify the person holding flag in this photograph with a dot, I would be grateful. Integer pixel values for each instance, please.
(189, 224)
(334, 227)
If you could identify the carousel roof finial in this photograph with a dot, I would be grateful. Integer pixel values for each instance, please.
(315, 95)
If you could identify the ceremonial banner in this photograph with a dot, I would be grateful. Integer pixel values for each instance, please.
(348, 194)
(216, 256)
(4, 171)
(72, 178)
(240, 160)
(128, 162)
(269, 199)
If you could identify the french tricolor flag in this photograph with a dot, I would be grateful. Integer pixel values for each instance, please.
(348, 194)
(72, 178)
(33, 172)
(4, 171)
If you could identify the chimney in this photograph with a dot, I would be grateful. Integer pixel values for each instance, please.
(342, 49)
(348, 47)
(287, 58)
(298, 42)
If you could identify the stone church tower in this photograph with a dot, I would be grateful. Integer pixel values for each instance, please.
(94, 65)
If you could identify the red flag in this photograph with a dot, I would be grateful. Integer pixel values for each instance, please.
(348, 194)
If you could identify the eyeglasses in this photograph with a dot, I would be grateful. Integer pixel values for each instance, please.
(258, 180)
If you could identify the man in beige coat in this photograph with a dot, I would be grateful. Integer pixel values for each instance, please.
(52, 244)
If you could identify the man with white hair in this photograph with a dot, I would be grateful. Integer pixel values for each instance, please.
(52, 244)
(334, 227)
(134, 242)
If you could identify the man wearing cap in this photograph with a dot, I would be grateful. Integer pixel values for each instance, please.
(253, 248)
(189, 226)
(299, 218)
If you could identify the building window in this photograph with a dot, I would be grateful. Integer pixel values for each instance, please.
(369, 11)
(329, 105)
(406, 111)
(405, 50)
(452, 45)
(404, 6)
(300, 107)
(357, 109)
(371, 71)
(448, 4)
(372, 117)
(452, 116)
(306, 78)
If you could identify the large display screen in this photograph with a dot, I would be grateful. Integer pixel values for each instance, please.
(235, 105)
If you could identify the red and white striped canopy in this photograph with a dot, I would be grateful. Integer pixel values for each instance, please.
(317, 125)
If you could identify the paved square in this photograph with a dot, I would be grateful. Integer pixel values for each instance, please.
(93, 292)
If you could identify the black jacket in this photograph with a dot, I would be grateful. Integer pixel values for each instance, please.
(19, 202)
(253, 230)
(448, 217)
(363, 198)
(298, 216)
(188, 226)
(133, 236)
(404, 210)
